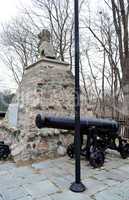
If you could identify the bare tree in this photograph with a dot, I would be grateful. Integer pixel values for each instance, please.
(106, 42)
(84, 82)
(18, 46)
(120, 12)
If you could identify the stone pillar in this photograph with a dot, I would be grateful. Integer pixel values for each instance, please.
(47, 86)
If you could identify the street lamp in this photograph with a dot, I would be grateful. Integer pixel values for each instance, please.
(77, 186)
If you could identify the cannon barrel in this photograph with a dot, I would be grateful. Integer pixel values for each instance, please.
(68, 123)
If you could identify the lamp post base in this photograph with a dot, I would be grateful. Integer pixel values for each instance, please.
(77, 187)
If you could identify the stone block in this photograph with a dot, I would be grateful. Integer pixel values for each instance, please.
(43, 146)
(14, 193)
(27, 198)
(44, 198)
(94, 186)
(43, 165)
(17, 150)
(70, 196)
(40, 189)
(118, 192)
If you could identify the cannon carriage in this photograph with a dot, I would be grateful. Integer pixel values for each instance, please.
(101, 134)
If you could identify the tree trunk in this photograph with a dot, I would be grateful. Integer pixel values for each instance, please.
(125, 83)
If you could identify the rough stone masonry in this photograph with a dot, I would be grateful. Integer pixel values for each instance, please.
(47, 86)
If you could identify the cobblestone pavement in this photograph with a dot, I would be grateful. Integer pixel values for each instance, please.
(50, 180)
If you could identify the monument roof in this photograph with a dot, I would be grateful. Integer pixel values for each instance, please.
(48, 60)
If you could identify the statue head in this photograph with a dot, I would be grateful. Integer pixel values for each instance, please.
(44, 35)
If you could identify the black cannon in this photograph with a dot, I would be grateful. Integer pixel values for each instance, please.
(4, 150)
(101, 134)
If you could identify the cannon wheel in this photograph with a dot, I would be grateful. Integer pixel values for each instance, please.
(124, 152)
(1, 153)
(5, 156)
(96, 159)
(70, 151)
(4, 152)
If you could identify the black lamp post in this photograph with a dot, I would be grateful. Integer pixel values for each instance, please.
(77, 186)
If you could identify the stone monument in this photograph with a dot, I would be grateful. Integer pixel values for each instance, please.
(47, 86)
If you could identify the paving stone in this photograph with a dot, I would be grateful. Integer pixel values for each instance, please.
(70, 178)
(112, 164)
(118, 192)
(4, 173)
(1, 196)
(33, 178)
(54, 172)
(14, 193)
(101, 176)
(40, 189)
(61, 182)
(116, 175)
(22, 172)
(125, 168)
(105, 195)
(8, 182)
(122, 190)
(7, 166)
(65, 168)
(87, 173)
(68, 195)
(50, 180)
(110, 183)
(18, 180)
(62, 160)
(94, 186)
(44, 198)
(26, 198)
(42, 165)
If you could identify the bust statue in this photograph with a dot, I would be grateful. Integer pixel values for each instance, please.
(45, 47)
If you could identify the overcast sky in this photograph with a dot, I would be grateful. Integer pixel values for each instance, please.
(8, 9)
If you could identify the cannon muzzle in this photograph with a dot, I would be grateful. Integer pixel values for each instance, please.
(40, 121)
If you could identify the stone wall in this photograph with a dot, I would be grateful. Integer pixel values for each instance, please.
(47, 87)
